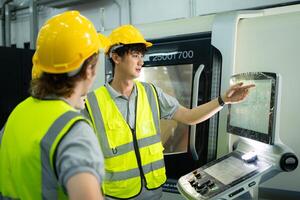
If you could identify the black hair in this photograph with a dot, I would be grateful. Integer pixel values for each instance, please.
(128, 48)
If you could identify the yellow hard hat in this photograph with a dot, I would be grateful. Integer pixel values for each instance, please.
(35, 72)
(64, 42)
(126, 34)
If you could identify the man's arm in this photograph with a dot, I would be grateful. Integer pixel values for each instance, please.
(79, 163)
(197, 114)
(84, 186)
(235, 94)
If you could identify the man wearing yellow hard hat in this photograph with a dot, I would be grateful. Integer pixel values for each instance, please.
(126, 114)
(48, 149)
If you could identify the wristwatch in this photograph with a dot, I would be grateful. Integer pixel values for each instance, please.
(221, 102)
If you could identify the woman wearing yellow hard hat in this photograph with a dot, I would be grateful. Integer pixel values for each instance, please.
(126, 115)
(48, 149)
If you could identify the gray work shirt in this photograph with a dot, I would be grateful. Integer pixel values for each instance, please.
(79, 151)
(168, 105)
(1, 134)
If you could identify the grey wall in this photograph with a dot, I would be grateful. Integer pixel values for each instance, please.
(108, 14)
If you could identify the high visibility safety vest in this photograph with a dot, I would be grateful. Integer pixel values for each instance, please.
(30, 139)
(131, 156)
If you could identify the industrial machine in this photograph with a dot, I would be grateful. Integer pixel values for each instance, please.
(258, 155)
(15, 80)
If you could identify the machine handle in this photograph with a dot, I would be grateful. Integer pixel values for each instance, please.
(194, 104)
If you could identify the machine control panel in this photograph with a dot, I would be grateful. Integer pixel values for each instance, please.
(229, 176)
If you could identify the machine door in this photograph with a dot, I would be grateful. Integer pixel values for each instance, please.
(188, 68)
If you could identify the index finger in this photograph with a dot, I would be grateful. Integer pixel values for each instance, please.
(239, 84)
(247, 86)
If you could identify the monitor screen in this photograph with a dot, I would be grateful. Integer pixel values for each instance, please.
(254, 118)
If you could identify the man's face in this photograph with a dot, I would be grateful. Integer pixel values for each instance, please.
(131, 64)
(87, 84)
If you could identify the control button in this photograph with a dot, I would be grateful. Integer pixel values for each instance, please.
(194, 184)
(252, 184)
(207, 182)
(192, 181)
(200, 186)
(203, 190)
(211, 184)
(198, 176)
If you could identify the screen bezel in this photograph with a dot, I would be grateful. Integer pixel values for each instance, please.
(251, 134)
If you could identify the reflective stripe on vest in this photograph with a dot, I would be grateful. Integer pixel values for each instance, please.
(1, 134)
(50, 191)
(125, 176)
(117, 176)
(41, 144)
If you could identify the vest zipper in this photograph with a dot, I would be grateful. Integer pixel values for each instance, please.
(138, 155)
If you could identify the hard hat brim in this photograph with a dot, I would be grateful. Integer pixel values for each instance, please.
(148, 44)
(104, 41)
(108, 47)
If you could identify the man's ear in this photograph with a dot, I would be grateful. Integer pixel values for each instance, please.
(116, 58)
(90, 71)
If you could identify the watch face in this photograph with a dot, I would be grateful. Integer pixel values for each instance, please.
(220, 100)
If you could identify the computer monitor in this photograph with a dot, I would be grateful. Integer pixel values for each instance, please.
(255, 118)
